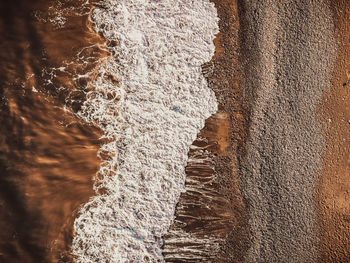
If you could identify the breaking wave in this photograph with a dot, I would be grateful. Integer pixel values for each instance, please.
(151, 100)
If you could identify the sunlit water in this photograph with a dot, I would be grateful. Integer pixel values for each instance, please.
(48, 156)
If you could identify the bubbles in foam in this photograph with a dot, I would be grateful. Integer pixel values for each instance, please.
(58, 11)
(150, 120)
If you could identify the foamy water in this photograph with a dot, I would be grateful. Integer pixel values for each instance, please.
(151, 100)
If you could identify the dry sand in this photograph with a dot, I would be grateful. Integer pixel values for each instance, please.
(288, 53)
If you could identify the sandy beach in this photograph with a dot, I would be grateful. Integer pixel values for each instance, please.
(265, 180)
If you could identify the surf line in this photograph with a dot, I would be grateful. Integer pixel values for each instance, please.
(149, 121)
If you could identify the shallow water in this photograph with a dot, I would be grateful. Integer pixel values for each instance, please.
(47, 156)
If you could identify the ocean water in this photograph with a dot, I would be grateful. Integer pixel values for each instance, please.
(48, 156)
(150, 100)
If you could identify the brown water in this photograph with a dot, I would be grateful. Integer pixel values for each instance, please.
(47, 156)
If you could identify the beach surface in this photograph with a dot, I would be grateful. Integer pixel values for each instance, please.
(103, 158)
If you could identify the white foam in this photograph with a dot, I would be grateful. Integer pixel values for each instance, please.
(150, 120)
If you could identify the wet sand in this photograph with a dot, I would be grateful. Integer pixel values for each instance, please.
(210, 223)
(333, 190)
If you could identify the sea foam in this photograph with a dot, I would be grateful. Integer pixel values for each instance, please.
(151, 100)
